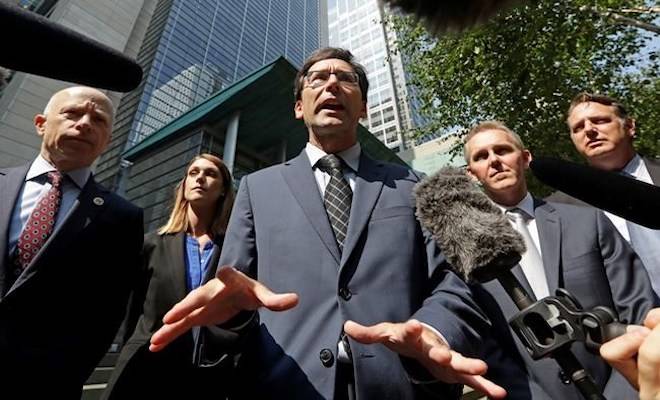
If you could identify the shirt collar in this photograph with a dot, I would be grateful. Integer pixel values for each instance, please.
(633, 166)
(41, 166)
(351, 156)
(526, 204)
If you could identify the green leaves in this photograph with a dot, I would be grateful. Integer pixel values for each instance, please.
(525, 66)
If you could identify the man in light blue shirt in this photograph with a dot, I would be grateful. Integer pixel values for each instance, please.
(604, 133)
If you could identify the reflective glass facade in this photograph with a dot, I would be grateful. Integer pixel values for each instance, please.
(356, 25)
(206, 45)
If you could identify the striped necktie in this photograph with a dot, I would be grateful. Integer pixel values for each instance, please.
(337, 198)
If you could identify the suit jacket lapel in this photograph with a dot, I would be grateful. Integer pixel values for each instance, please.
(368, 185)
(176, 263)
(215, 257)
(92, 200)
(549, 228)
(653, 166)
(298, 175)
(11, 182)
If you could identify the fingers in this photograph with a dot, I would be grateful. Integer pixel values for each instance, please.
(194, 300)
(413, 339)
(652, 318)
(467, 365)
(469, 370)
(649, 366)
(250, 294)
(483, 385)
(379, 333)
(620, 353)
(216, 302)
(167, 333)
(273, 301)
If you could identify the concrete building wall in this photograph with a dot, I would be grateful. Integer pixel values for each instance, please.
(119, 24)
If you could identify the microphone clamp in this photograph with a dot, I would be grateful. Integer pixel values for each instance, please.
(557, 321)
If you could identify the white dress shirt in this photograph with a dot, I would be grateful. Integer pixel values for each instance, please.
(350, 156)
(527, 205)
(636, 169)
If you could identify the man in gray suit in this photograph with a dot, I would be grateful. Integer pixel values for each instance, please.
(569, 247)
(338, 228)
(603, 132)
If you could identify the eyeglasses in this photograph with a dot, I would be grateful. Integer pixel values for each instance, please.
(317, 79)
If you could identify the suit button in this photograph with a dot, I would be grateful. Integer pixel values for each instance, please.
(565, 379)
(327, 358)
(18, 271)
(345, 294)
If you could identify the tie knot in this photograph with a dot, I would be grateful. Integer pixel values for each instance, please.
(55, 178)
(517, 214)
(330, 164)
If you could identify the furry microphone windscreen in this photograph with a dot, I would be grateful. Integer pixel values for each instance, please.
(440, 16)
(472, 232)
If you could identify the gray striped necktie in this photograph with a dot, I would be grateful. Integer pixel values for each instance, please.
(337, 198)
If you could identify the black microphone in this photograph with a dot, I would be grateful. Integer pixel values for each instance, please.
(473, 233)
(39, 46)
(628, 198)
(440, 16)
(480, 244)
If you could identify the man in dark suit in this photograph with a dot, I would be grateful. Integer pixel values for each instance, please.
(569, 247)
(603, 132)
(337, 228)
(70, 251)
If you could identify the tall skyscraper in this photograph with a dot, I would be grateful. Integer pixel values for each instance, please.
(194, 48)
(356, 25)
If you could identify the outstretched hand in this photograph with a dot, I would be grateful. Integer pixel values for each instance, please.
(217, 301)
(636, 355)
(414, 340)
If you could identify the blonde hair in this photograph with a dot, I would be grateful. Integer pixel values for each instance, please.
(178, 221)
(486, 126)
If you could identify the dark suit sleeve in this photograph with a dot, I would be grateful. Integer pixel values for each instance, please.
(139, 288)
(450, 309)
(631, 288)
(449, 306)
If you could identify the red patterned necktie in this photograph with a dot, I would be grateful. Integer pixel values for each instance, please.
(41, 222)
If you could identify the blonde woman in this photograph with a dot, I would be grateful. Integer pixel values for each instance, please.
(179, 257)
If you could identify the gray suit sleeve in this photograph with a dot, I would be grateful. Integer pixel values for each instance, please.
(629, 282)
(449, 306)
(239, 248)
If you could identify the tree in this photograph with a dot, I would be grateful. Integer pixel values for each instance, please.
(525, 65)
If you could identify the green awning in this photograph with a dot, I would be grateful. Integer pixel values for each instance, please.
(265, 102)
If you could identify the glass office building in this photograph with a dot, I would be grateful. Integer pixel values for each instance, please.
(194, 48)
(356, 25)
(205, 45)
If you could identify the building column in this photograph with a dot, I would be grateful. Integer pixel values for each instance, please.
(231, 138)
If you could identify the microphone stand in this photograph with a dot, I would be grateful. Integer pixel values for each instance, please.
(548, 327)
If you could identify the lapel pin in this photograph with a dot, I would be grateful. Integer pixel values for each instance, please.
(98, 201)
